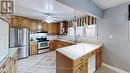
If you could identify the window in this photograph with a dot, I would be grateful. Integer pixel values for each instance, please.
(91, 31)
(83, 31)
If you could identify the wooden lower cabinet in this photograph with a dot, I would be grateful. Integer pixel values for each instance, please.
(13, 63)
(67, 65)
(82, 68)
(10, 65)
(54, 44)
(33, 48)
(98, 58)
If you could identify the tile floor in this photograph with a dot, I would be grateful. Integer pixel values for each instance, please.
(45, 63)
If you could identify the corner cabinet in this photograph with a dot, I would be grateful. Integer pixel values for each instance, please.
(10, 64)
(98, 58)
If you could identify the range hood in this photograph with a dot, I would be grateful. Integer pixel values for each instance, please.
(42, 31)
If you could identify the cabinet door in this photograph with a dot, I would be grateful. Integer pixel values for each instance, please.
(33, 48)
(81, 68)
(15, 22)
(24, 22)
(84, 68)
(6, 67)
(52, 29)
(44, 26)
(33, 26)
(98, 58)
(13, 63)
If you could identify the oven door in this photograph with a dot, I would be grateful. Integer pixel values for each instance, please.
(42, 45)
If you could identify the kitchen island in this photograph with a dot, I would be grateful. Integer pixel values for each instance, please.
(79, 58)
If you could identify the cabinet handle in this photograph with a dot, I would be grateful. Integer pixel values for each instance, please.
(14, 61)
(81, 60)
(81, 67)
(3, 66)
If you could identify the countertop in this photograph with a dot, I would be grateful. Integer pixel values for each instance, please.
(76, 51)
(11, 52)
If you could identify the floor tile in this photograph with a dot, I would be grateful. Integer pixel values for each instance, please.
(45, 63)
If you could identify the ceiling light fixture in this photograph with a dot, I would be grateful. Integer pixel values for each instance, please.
(49, 19)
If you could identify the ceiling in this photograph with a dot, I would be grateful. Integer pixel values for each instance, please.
(105, 4)
(36, 9)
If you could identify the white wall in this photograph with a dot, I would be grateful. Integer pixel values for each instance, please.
(4, 39)
(113, 30)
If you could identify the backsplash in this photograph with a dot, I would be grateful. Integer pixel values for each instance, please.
(49, 37)
(84, 34)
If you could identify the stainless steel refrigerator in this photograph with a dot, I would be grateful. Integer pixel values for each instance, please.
(19, 37)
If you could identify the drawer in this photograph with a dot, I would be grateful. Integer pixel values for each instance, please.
(91, 54)
(5, 67)
(99, 50)
(80, 60)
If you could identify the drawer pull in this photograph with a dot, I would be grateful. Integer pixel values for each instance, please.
(81, 60)
(4, 66)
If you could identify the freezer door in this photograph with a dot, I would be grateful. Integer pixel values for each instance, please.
(23, 52)
(13, 37)
(23, 35)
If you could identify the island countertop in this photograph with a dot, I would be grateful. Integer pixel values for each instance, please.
(76, 51)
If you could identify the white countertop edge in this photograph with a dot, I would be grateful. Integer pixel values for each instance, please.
(64, 52)
(11, 52)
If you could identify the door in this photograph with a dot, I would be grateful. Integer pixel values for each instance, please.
(13, 37)
(23, 35)
(23, 52)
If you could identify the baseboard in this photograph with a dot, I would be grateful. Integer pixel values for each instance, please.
(114, 68)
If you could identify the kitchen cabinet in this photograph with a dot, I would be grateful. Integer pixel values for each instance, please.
(33, 48)
(6, 67)
(35, 25)
(53, 29)
(63, 27)
(15, 22)
(65, 64)
(24, 22)
(82, 68)
(44, 26)
(13, 63)
(54, 44)
(10, 64)
(98, 58)
(19, 22)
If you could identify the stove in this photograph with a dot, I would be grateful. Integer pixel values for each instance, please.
(43, 45)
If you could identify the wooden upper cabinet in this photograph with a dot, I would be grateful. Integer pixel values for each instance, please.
(34, 25)
(52, 28)
(44, 26)
(63, 27)
(19, 22)
(24, 22)
(15, 22)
